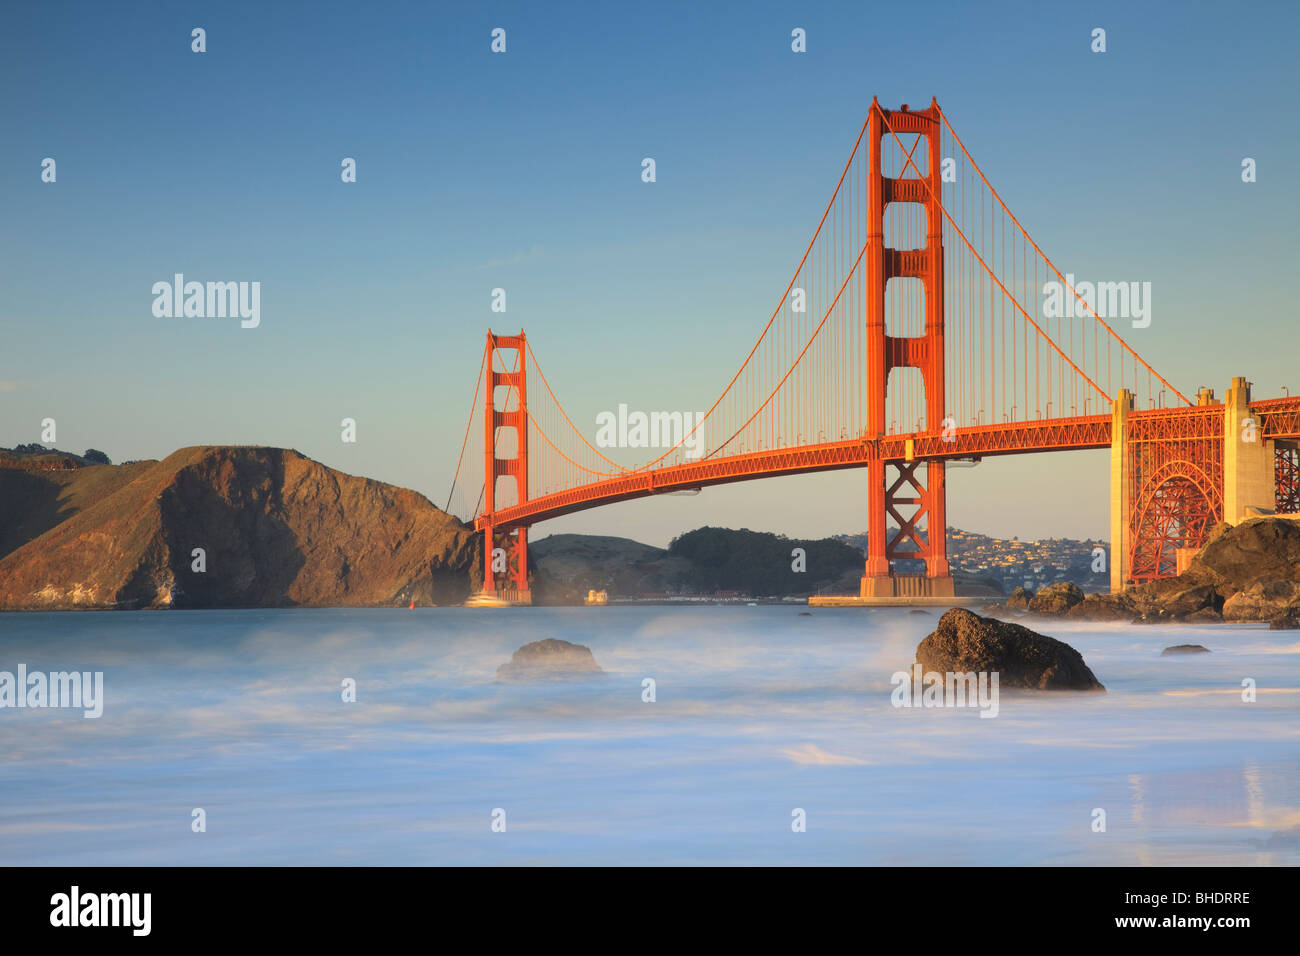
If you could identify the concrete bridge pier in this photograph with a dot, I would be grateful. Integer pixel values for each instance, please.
(1121, 477)
(1248, 473)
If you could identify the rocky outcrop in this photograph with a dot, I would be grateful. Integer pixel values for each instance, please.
(548, 660)
(1256, 551)
(1262, 601)
(1288, 620)
(1102, 607)
(1184, 649)
(1019, 599)
(1055, 599)
(1246, 572)
(222, 526)
(1184, 602)
(964, 642)
(1176, 598)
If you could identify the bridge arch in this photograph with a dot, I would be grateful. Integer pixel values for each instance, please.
(1175, 508)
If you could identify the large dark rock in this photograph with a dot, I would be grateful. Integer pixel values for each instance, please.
(1056, 599)
(550, 660)
(964, 641)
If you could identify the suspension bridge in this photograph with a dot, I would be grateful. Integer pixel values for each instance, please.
(914, 332)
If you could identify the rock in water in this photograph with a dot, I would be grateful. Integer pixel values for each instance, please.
(1101, 607)
(550, 660)
(1288, 620)
(965, 642)
(1184, 649)
(1055, 599)
(1019, 599)
(1262, 601)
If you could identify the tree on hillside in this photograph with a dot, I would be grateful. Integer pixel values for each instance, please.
(97, 456)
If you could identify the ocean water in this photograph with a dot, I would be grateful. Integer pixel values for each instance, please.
(759, 712)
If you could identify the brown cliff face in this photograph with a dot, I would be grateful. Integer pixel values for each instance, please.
(277, 529)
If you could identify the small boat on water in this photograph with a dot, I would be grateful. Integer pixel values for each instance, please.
(485, 599)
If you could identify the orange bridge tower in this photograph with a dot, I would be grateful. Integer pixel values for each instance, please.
(505, 556)
(910, 498)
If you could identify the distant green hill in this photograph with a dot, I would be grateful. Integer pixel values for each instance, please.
(703, 561)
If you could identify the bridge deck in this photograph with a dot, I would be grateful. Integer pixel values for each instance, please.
(1061, 434)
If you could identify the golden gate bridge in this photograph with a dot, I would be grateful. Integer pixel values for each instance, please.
(908, 336)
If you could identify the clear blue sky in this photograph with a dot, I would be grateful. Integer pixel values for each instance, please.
(523, 171)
